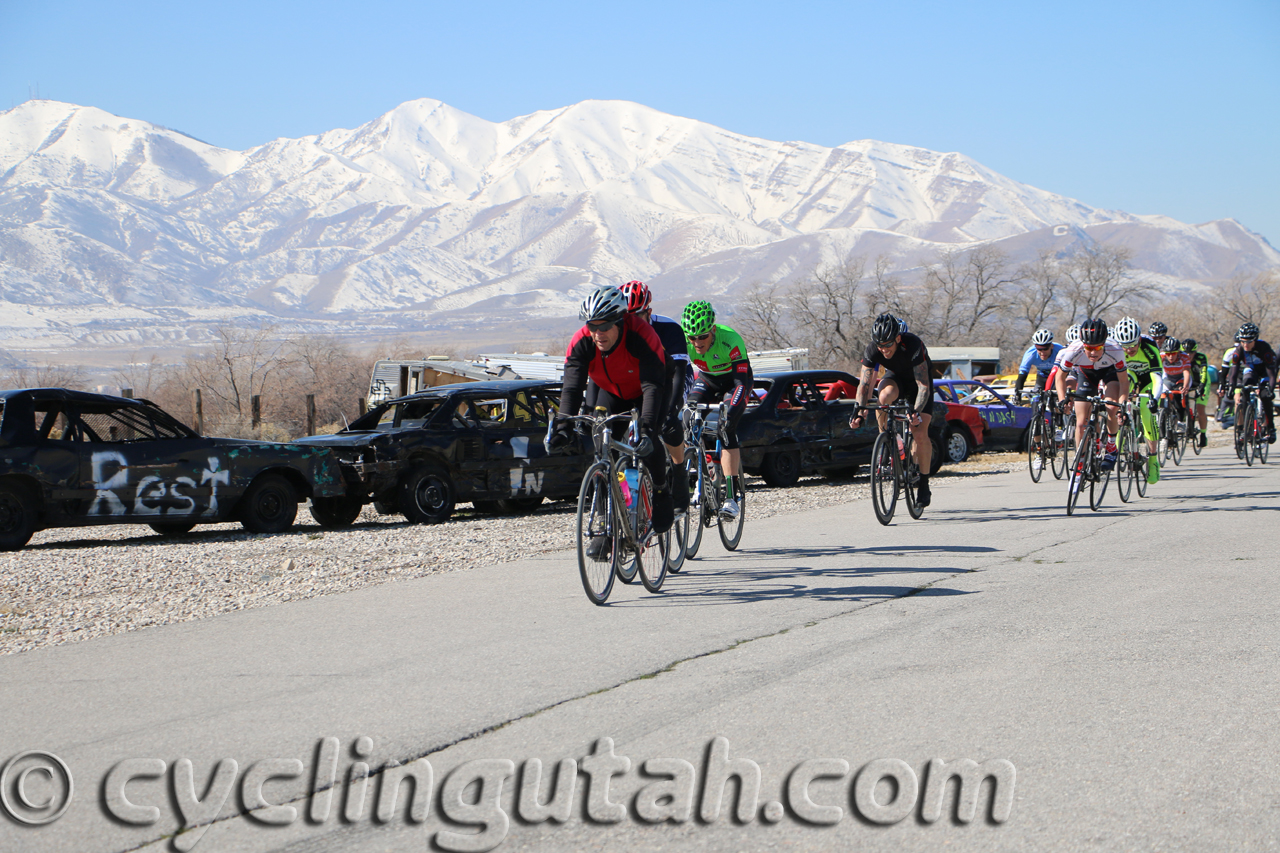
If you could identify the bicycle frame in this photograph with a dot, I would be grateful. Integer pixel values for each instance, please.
(613, 454)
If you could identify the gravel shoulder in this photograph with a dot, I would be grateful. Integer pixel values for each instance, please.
(74, 584)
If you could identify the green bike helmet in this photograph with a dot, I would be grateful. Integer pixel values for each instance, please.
(698, 318)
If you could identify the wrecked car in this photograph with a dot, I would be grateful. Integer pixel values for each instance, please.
(71, 458)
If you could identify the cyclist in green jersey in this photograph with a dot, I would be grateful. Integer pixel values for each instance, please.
(720, 356)
(1199, 386)
(1141, 360)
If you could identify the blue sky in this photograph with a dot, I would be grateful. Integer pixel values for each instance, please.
(1168, 107)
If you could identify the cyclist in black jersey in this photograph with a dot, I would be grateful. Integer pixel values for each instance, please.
(907, 373)
(679, 372)
(1254, 363)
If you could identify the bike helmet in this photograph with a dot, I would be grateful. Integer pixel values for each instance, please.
(1248, 332)
(604, 305)
(902, 326)
(697, 318)
(1093, 332)
(1157, 329)
(1189, 345)
(1042, 338)
(1073, 334)
(1127, 332)
(885, 329)
(1171, 345)
(638, 296)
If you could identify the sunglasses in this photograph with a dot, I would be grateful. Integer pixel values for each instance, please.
(601, 326)
(699, 338)
(1093, 348)
(1043, 347)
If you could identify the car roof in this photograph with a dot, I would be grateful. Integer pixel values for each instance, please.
(492, 386)
(70, 396)
(812, 375)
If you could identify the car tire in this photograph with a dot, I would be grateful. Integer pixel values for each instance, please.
(958, 444)
(781, 468)
(17, 517)
(426, 494)
(335, 512)
(172, 528)
(269, 505)
(519, 506)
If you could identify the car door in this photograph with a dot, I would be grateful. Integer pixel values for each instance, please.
(1000, 415)
(804, 419)
(57, 459)
(141, 469)
(558, 474)
(848, 444)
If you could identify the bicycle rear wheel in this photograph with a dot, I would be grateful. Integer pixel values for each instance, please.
(1080, 463)
(884, 484)
(679, 539)
(730, 529)
(1177, 438)
(1261, 446)
(1036, 443)
(909, 487)
(1124, 462)
(596, 522)
(1141, 467)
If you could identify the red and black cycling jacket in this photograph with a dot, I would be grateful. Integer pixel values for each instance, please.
(635, 369)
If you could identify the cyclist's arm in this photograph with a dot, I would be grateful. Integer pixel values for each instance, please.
(576, 364)
(653, 379)
(924, 385)
(864, 385)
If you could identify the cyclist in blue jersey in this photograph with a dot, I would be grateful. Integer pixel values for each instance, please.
(1041, 356)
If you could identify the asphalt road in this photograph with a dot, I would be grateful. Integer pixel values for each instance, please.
(1116, 672)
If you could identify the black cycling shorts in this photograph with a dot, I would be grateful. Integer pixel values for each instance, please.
(1087, 381)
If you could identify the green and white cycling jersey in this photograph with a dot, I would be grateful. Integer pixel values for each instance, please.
(1141, 365)
(727, 350)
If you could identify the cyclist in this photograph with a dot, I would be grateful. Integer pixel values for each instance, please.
(1226, 405)
(1254, 362)
(1157, 332)
(1200, 382)
(720, 355)
(1040, 355)
(905, 373)
(624, 358)
(1141, 359)
(1177, 374)
(679, 374)
(1096, 362)
(1073, 333)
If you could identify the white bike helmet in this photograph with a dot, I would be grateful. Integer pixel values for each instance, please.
(1073, 334)
(1127, 332)
(1042, 338)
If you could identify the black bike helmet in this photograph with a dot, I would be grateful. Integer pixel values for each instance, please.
(1248, 332)
(885, 329)
(1171, 344)
(1093, 332)
(1157, 329)
(1189, 345)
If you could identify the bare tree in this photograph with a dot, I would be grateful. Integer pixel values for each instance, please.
(1255, 299)
(830, 309)
(1037, 301)
(762, 317)
(1098, 278)
(44, 376)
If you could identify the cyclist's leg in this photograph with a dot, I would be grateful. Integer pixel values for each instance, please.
(887, 394)
(731, 457)
(923, 453)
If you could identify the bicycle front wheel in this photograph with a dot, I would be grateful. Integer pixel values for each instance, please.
(1036, 443)
(731, 528)
(1177, 439)
(1080, 468)
(1261, 446)
(1061, 447)
(1250, 427)
(1101, 474)
(696, 467)
(884, 482)
(599, 550)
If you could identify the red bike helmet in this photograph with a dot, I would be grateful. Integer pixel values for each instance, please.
(638, 296)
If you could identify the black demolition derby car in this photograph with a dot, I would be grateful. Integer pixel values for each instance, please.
(70, 458)
(422, 454)
(798, 423)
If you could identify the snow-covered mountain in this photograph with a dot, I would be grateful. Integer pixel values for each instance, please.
(428, 213)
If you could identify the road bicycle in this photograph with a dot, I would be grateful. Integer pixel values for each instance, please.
(1251, 427)
(1087, 465)
(1131, 455)
(1171, 427)
(1047, 439)
(893, 464)
(708, 489)
(1141, 457)
(1192, 424)
(615, 512)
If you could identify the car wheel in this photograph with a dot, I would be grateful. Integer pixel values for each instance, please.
(958, 444)
(781, 468)
(426, 494)
(335, 512)
(269, 505)
(514, 506)
(172, 528)
(17, 517)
